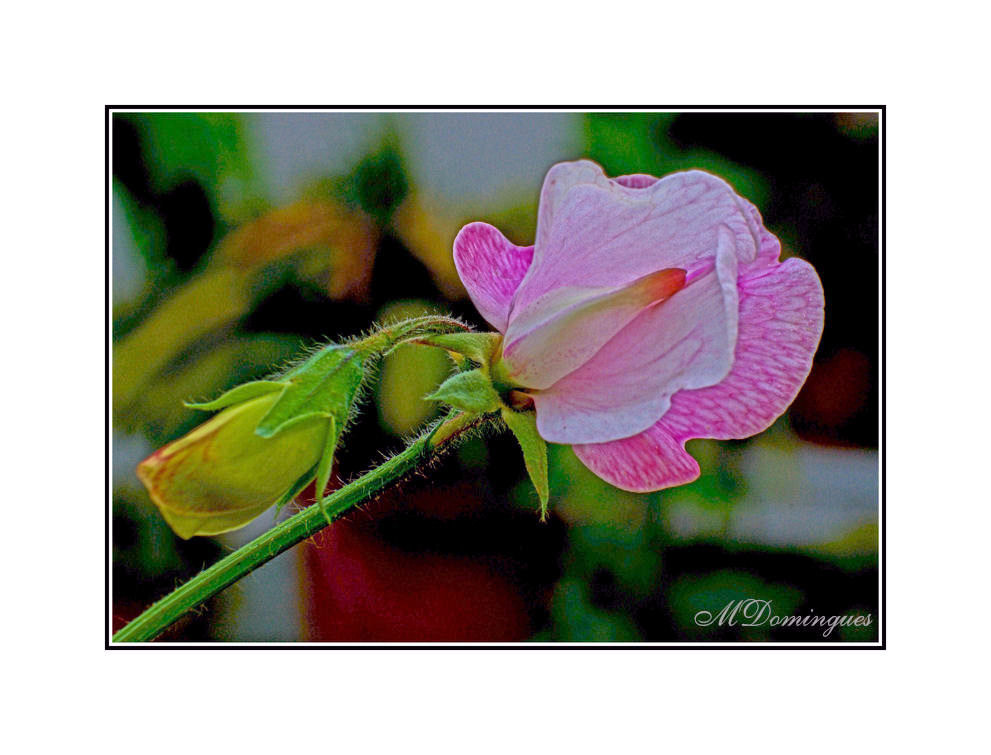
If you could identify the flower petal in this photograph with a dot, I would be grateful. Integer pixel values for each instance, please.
(560, 179)
(686, 342)
(636, 181)
(578, 323)
(781, 319)
(649, 461)
(491, 267)
(606, 236)
(768, 248)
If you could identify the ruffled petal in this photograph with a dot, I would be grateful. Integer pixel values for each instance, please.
(768, 245)
(560, 179)
(685, 342)
(649, 461)
(491, 267)
(781, 319)
(603, 235)
(607, 236)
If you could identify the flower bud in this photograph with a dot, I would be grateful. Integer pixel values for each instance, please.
(223, 474)
(271, 438)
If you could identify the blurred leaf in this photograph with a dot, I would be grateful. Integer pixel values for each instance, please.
(577, 620)
(428, 232)
(517, 221)
(210, 301)
(158, 409)
(341, 241)
(625, 143)
(584, 498)
(629, 555)
(208, 147)
(145, 233)
(858, 126)
(378, 184)
(408, 374)
(855, 550)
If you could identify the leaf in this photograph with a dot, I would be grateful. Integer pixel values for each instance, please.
(524, 426)
(479, 347)
(238, 394)
(470, 391)
(325, 385)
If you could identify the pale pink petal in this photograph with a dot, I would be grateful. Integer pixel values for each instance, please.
(768, 249)
(560, 179)
(649, 461)
(577, 324)
(491, 267)
(685, 342)
(781, 318)
(605, 237)
(636, 181)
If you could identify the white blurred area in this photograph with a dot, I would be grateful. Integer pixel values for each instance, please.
(458, 158)
(802, 495)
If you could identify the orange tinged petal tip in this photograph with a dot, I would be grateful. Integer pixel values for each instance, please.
(656, 287)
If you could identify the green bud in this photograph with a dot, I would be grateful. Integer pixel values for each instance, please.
(270, 440)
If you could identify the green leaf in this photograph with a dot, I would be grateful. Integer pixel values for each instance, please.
(479, 347)
(325, 385)
(238, 394)
(470, 391)
(524, 426)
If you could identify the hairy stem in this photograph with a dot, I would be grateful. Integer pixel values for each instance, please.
(283, 536)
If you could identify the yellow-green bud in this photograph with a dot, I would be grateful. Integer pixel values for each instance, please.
(223, 474)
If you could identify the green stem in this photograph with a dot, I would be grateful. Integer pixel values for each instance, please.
(283, 536)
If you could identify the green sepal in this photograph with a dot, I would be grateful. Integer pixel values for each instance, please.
(325, 385)
(298, 487)
(236, 395)
(524, 426)
(478, 347)
(470, 391)
(325, 465)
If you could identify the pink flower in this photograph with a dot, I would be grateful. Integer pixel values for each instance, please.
(648, 312)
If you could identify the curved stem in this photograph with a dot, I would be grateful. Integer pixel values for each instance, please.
(283, 536)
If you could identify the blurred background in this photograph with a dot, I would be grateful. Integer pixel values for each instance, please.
(239, 239)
